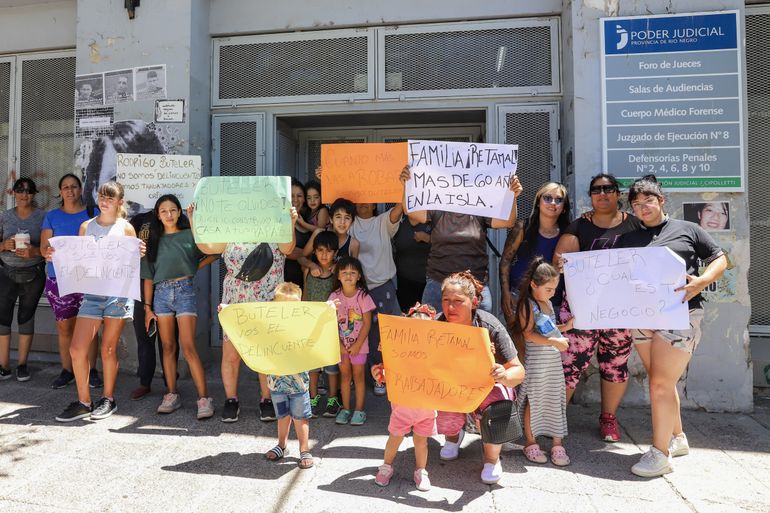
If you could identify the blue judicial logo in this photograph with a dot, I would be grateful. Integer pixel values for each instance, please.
(622, 37)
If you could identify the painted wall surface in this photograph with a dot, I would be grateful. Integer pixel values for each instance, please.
(720, 374)
(54, 27)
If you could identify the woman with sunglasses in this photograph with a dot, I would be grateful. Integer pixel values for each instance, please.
(598, 229)
(22, 275)
(537, 235)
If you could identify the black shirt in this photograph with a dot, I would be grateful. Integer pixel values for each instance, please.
(411, 257)
(592, 237)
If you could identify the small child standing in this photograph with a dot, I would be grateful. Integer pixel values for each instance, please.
(354, 316)
(318, 288)
(291, 398)
(403, 420)
(542, 394)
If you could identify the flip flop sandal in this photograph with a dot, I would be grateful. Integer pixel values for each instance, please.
(276, 453)
(534, 454)
(304, 458)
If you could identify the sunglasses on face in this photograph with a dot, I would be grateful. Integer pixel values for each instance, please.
(23, 190)
(606, 189)
(553, 200)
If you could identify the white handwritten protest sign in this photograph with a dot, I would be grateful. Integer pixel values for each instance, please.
(626, 288)
(105, 267)
(146, 178)
(466, 178)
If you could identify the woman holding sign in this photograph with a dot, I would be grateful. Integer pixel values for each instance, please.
(666, 353)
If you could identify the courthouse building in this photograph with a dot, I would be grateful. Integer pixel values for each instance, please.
(264, 84)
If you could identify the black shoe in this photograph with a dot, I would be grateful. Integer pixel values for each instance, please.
(231, 410)
(104, 408)
(94, 381)
(64, 379)
(75, 411)
(5, 373)
(332, 407)
(22, 373)
(266, 411)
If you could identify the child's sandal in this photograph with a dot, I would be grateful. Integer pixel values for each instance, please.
(559, 456)
(276, 453)
(534, 454)
(305, 460)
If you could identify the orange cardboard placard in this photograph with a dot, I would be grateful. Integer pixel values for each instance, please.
(435, 365)
(363, 172)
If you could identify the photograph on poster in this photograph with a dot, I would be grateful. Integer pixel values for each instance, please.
(713, 216)
(119, 85)
(150, 82)
(89, 90)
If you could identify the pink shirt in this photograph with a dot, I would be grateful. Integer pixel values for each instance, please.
(350, 316)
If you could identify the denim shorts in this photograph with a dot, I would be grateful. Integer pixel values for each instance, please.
(329, 369)
(684, 340)
(297, 405)
(103, 307)
(174, 297)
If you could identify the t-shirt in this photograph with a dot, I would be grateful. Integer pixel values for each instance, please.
(592, 237)
(410, 255)
(375, 253)
(505, 351)
(686, 239)
(291, 384)
(350, 317)
(458, 243)
(64, 224)
(11, 224)
(177, 256)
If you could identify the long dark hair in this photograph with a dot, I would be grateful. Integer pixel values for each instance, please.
(156, 226)
(344, 263)
(532, 225)
(77, 179)
(539, 272)
(313, 184)
(304, 211)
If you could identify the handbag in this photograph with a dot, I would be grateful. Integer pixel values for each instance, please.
(501, 422)
(257, 264)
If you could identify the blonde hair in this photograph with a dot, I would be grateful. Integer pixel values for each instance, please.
(113, 189)
(288, 291)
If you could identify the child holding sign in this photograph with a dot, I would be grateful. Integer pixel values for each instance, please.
(291, 398)
(354, 315)
(543, 393)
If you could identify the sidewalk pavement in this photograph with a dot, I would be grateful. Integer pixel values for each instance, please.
(138, 461)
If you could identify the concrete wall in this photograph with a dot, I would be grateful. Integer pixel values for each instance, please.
(36, 27)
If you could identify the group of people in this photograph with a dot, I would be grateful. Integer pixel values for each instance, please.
(431, 264)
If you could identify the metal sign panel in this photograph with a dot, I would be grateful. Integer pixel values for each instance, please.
(673, 96)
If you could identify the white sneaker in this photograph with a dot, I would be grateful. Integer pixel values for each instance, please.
(421, 480)
(491, 473)
(652, 464)
(170, 403)
(679, 446)
(451, 450)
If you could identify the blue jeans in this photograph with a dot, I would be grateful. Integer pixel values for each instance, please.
(432, 296)
(386, 301)
(297, 405)
(175, 297)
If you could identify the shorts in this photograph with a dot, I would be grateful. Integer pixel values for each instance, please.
(103, 307)
(329, 369)
(450, 423)
(404, 420)
(297, 405)
(359, 359)
(64, 307)
(684, 340)
(175, 298)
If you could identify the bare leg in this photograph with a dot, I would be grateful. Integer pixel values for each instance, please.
(528, 426)
(264, 391)
(167, 332)
(391, 448)
(346, 373)
(420, 451)
(612, 394)
(360, 384)
(332, 385)
(231, 365)
(314, 384)
(111, 334)
(5, 351)
(645, 353)
(25, 342)
(85, 330)
(65, 329)
(187, 325)
(492, 453)
(302, 427)
(667, 366)
(284, 424)
(570, 393)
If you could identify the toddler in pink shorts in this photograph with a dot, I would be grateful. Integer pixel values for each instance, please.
(422, 423)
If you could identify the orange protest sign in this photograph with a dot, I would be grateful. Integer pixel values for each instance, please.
(435, 365)
(363, 172)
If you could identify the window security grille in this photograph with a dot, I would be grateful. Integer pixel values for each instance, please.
(5, 111)
(532, 132)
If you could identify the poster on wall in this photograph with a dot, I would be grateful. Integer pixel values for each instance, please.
(150, 82)
(169, 111)
(672, 88)
(146, 178)
(119, 86)
(94, 122)
(89, 90)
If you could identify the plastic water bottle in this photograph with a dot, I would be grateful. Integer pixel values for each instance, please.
(546, 327)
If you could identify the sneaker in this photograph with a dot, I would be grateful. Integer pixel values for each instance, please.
(170, 403)
(64, 379)
(421, 480)
(266, 411)
(22, 373)
(380, 390)
(5, 373)
(343, 417)
(75, 411)
(94, 381)
(315, 406)
(679, 446)
(332, 407)
(451, 450)
(384, 473)
(358, 418)
(205, 408)
(231, 410)
(652, 464)
(104, 408)
(608, 428)
(491, 473)
(140, 392)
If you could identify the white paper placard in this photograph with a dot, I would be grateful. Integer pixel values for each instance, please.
(145, 177)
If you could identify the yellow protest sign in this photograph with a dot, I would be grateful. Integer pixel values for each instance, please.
(435, 365)
(363, 172)
(283, 337)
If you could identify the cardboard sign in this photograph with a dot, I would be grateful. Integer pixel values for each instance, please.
(626, 288)
(146, 178)
(466, 178)
(283, 337)
(435, 365)
(242, 209)
(105, 267)
(363, 172)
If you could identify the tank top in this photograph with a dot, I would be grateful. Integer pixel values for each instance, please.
(344, 250)
(319, 289)
(544, 247)
(98, 231)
